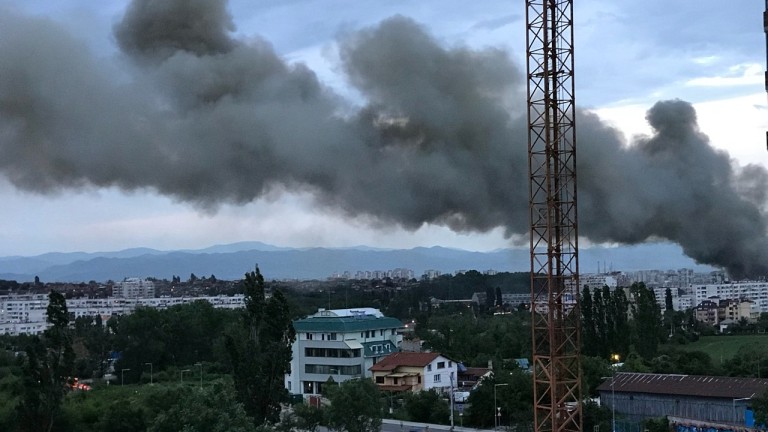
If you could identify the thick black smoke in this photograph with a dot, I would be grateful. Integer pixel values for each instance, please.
(208, 119)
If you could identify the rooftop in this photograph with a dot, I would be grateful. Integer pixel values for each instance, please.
(345, 324)
(686, 385)
(404, 359)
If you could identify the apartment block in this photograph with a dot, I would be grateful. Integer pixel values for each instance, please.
(339, 344)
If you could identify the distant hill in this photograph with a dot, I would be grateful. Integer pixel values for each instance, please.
(232, 261)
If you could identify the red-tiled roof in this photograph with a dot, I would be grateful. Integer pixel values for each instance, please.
(688, 385)
(408, 359)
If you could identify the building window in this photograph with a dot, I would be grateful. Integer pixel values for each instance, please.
(441, 365)
(381, 332)
(429, 368)
(450, 364)
(437, 378)
(332, 336)
(379, 380)
(393, 332)
(309, 336)
(332, 369)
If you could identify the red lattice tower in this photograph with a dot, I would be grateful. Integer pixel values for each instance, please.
(554, 237)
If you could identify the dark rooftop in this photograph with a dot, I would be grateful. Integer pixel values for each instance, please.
(686, 385)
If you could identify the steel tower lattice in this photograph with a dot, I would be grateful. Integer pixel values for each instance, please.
(554, 235)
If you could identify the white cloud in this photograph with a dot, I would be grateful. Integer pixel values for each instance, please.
(748, 74)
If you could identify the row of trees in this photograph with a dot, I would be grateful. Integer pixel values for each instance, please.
(252, 346)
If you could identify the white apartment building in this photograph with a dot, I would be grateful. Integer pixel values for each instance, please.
(755, 291)
(597, 281)
(23, 314)
(134, 288)
(341, 344)
(26, 314)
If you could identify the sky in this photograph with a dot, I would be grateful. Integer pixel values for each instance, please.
(629, 55)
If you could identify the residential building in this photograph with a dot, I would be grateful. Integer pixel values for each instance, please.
(510, 299)
(723, 312)
(410, 371)
(338, 345)
(755, 291)
(469, 377)
(134, 288)
(26, 313)
(736, 309)
(706, 312)
(598, 281)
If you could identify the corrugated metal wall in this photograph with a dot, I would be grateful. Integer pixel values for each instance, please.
(639, 406)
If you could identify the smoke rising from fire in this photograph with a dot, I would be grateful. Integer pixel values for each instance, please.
(441, 137)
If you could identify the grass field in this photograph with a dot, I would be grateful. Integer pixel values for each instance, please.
(722, 348)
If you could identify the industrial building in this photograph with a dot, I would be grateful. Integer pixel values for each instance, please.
(714, 401)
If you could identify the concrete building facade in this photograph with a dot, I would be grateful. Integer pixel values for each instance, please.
(339, 344)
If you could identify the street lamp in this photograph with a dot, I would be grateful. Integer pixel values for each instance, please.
(122, 376)
(150, 372)
(201, 373)
(496, 410)
(615, 359)
(181, 375)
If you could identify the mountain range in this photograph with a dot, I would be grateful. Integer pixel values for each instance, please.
(232, 261)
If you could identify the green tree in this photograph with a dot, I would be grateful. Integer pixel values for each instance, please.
(210, 409)
(647, 321)
(355, 406)
(593, 369)
(610, 325)
(760, 408)
(260, 350)
(122, 416)
(308, 417)
(47, 369)
(660, 424)
(588, 333)
(511, 392)
(427, 407)
(621, 322)
(595, 415)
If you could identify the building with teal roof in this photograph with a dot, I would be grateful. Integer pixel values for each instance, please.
(339, 344)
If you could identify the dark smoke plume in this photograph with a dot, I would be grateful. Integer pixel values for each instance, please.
(208, 119)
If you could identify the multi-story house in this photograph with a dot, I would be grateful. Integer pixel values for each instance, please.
(339, 344)
(410, 371)
(706, 312)
(735, 310)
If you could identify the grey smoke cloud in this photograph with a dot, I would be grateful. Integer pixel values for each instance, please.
(441, 138)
